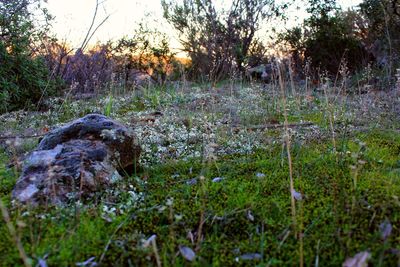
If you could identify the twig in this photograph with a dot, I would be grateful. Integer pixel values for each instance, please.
(21, 137)
(98, 26)
(274, 126)
(90, 33)
(83, 45)
(110, 239)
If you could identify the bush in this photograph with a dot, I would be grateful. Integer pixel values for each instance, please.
(381, 27)
(327, 39)
(125, 63)
(331, 42)
(91, 71)
(24, 78)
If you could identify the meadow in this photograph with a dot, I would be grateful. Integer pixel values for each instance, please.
(233, 173)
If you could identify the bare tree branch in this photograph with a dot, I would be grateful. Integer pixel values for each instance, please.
(90, 33)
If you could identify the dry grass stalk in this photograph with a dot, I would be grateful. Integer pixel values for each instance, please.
(298, 233)
(287, 141)
(292, 84)
(202, 217)
(331, 115)
(155, 250)
(14, 235)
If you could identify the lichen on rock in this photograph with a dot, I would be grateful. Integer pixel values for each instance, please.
(76, 161)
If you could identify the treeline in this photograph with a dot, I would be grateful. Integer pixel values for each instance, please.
(220, 42)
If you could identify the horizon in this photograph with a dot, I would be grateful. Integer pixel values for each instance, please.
(71, 24)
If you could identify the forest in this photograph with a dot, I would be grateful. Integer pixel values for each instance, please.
(231, 133)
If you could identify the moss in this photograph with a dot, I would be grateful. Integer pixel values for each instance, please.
(8, 177)
(243, 213)
(247, 211)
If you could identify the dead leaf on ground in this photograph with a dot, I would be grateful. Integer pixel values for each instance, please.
(187, 253)
(359, 260)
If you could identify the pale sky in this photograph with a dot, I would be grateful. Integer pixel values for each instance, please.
(73, 17)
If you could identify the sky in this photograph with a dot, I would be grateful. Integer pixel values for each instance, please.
(73, 18)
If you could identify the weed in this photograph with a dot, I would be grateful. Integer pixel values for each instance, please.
(242, 207)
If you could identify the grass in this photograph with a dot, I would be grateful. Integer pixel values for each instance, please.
(171, 209)
(244, 217)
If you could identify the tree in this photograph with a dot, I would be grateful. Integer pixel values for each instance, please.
(148, 51)
(24, 78)
(218, 40)
(382, 20)
(327, 38)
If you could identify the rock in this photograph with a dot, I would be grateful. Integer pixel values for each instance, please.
(263, 72)
(77, 160)
(139, 78)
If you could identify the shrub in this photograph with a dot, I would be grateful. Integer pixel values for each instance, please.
(381, 27)
(24, 78)
(326, 39)
(146, 54)
(91, 71)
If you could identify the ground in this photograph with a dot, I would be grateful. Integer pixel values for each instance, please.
(215, 180)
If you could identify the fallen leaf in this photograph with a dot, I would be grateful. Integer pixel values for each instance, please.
(21, 224)
(298, 196)
(191, 181)
(217, 179)
(90, 262)
(147, 242)
(359, 260)
(190, 236)
(250, 216)
(187, 253)
(42, 262)
(386, 229)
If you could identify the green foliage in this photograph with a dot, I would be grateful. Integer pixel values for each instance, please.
(381, 28)
(247, 211)
(109, 105)
(327, 39)
(8, 178)
(331, 43)
(382, 20)
(24, 78)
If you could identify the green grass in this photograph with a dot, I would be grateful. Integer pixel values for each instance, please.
(338, 219)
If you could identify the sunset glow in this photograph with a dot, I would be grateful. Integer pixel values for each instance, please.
(73, 17)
